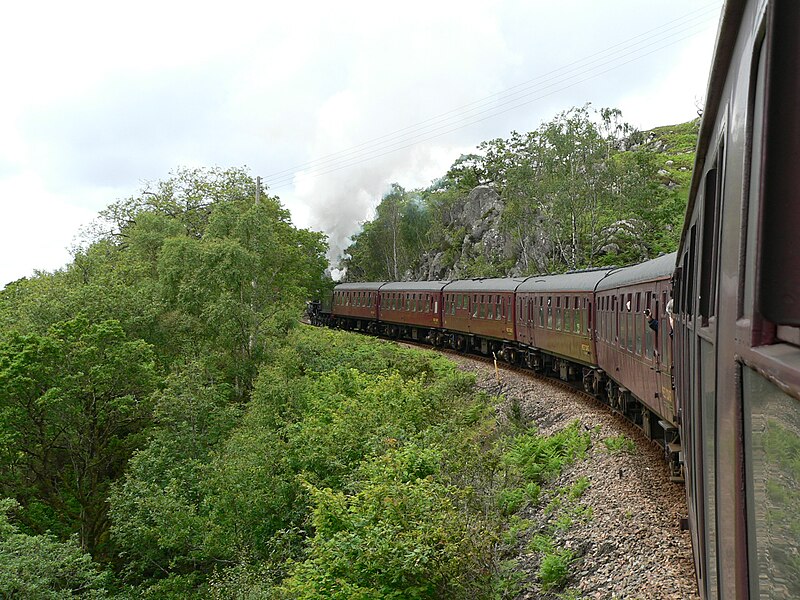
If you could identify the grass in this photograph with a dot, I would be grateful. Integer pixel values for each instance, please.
(620, 443)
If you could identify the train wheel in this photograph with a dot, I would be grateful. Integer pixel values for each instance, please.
(588, 382)
(611, 393)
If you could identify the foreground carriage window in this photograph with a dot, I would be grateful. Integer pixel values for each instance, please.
(773, 473)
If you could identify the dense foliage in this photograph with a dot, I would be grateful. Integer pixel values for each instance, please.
(167, 430)
(584, 189)
(171, 304)
(352, 468)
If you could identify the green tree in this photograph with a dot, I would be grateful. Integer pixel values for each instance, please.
(73, 403)
(40, 566)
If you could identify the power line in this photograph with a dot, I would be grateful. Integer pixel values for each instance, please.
(512, 98)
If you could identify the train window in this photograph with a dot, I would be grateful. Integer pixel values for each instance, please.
(558, 319)
(541, 316)
(549, 313)
(707, 433)
(709, 256)
(630, 332)
(612, 337)
(638, 302)
(757, 128)
(601, 321)
(567, 319)
(772, 434)
(688, 284)
(587, 316)
(778, 274)
(578, 315)
(639, 330)
(622, 330)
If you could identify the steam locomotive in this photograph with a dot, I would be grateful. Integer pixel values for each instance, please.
(699, 348)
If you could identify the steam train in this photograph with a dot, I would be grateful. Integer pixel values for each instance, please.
(700, 348)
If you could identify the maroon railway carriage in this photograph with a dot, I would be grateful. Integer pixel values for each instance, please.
(355, 306)
(479, 315)
(737, 311)
(412, 309)
(554, 322)
(637, 359)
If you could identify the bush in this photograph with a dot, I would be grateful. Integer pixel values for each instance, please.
(538, 457)
(620, 443)
(554, 569)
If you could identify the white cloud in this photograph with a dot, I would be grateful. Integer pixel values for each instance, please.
(37, 227)
(102, 96)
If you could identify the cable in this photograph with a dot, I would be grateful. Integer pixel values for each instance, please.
(445, 124)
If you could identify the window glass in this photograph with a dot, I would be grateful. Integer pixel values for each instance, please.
(748, 297)
(614, 332)
(567, 319)
(629, 318)
(772, 430)
(558, 319)
(708, 409)
(639, 324)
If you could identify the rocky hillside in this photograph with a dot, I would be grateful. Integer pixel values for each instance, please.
(583, 190)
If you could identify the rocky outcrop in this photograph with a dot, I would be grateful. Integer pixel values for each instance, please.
(477, 239)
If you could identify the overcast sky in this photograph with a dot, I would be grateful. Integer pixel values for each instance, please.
(330, 102)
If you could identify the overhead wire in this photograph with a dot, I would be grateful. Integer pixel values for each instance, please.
(504, 101)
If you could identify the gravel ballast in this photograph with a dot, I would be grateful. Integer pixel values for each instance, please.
(624, 529)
